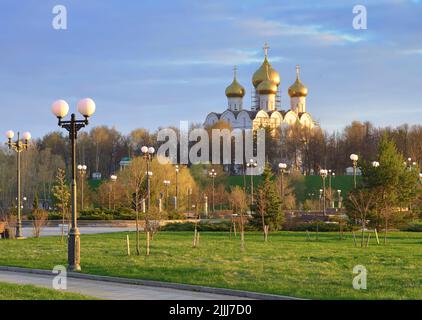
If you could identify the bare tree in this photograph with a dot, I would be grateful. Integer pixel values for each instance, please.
(361, 201)
(239, 202)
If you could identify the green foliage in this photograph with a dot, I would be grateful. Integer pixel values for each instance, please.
(394, 183)
(105, 214)
(412, 227)
(61, 191)
(35, 204)
(322, 227)
(268, 202)
(203, 226)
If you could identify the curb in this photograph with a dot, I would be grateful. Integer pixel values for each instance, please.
(159, 284)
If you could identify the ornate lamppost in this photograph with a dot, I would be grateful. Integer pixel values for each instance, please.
(60, 109)
(323, 173)
(166, 185)
(176, 199)
(339, 198)
(18, 146)
(113, 179)
(148, 154)
(82, 173)
(282, 167)
(320, 198)
(212, 175)
(354, 158)
(252, 164)
(331, 175)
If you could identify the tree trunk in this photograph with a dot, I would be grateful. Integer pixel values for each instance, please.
(264, 227)
(138, 250)
(148, 243)
(385, 230)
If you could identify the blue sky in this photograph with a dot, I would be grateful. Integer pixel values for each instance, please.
(154, 63)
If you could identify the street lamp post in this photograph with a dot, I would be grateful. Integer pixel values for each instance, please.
(212, 175)
(82, 172)
(320, 198)
(251, 164)
(60, 109)
(339, 198)
(282, 167)
(354, 158)
(176, 202)
(148, 154)
(18, 146)
(166, 185)
(189, 191)
(331, 175)
(323, 173)
(113, 179)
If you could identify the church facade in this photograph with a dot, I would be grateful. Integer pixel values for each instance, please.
(265, 110)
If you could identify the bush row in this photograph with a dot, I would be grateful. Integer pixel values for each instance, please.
(225, 226)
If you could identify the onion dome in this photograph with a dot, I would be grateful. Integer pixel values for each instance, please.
(267, 86)
(298, 89)
(235, 90)
(260, 74)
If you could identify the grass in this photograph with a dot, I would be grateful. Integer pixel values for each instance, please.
(304, 189)
(28, 292)
(287, 265)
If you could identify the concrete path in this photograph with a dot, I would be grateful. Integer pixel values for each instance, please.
(57, 231)
(112, 291)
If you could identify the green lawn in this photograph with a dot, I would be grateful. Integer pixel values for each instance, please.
(287, 265)
(304, 190)
(28, 292)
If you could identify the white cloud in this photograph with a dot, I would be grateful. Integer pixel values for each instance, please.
(411, 51)
(271, 28)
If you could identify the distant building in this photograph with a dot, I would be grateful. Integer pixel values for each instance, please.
(126, 161)
(349, 171)
(266, 108)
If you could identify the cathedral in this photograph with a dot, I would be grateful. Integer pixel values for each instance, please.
(266, 108)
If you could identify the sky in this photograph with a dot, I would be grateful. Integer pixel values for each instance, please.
(154, 63)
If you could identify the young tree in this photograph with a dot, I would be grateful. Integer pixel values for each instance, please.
(39, 217)
(269, 203)
(359, 206)
(239, 202)
(61, 195)
(394, 183)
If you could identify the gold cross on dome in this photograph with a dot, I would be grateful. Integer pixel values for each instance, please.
(297, 71)
(266, 47)
(235, 71)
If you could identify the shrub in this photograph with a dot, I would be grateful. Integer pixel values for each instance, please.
(413, 227)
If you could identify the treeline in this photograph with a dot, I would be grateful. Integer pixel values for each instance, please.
(102, 149)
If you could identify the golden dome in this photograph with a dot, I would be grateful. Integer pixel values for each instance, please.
(298, 89)
(259, 74)
(235, 90)
(267, 86)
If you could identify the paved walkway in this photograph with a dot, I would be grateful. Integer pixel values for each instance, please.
(112, 291)
(57, 231)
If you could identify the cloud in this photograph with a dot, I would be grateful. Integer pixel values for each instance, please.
(271, 28)
(411, 51)
(222, 57)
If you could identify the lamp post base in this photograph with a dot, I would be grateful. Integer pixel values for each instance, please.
(74, 249)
